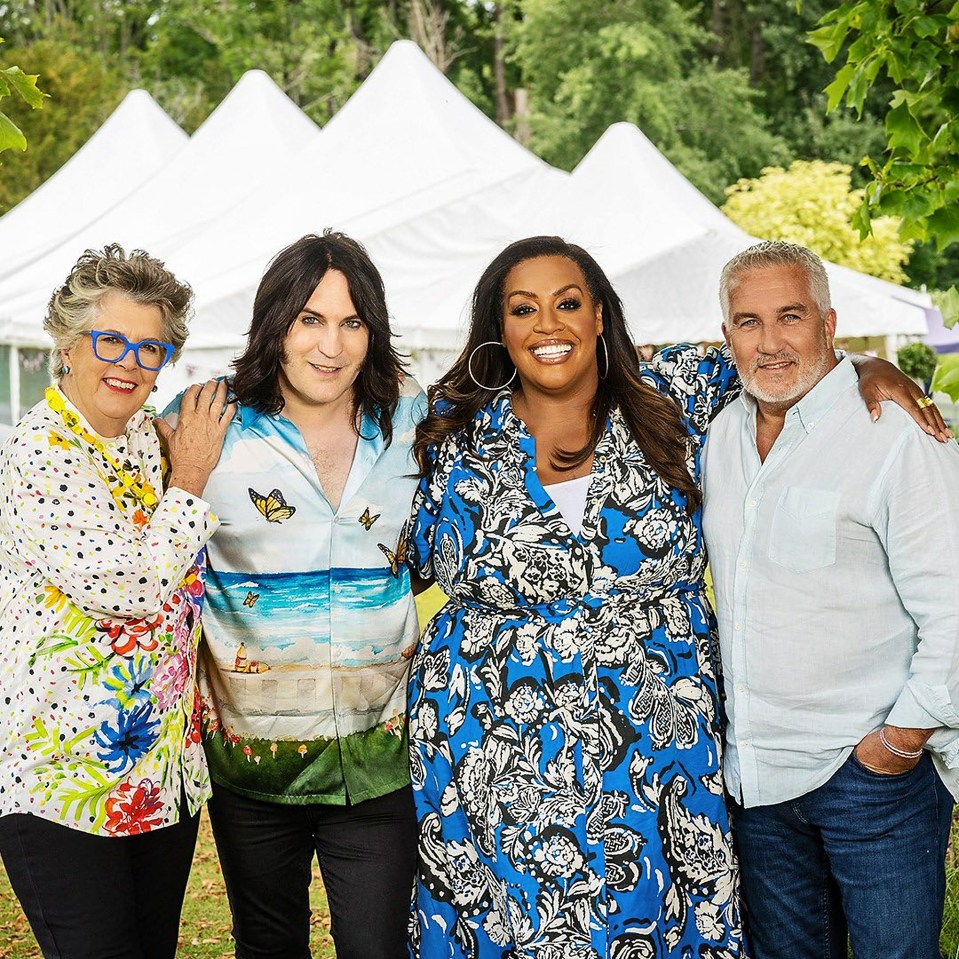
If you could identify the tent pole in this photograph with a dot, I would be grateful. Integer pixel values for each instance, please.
(14, 384)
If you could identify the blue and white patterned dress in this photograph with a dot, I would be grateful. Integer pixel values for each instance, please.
(564, 722)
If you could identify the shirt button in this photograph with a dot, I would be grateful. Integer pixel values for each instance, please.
(742, 564)
(752, 504)
(739, 627)
(740, 687)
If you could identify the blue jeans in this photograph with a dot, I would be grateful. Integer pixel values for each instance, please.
(863, 853)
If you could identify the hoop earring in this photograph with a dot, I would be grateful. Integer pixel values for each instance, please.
(469, 368)
(605, 357)
(66, 369)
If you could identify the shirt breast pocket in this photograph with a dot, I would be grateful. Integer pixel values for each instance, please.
(803, 533)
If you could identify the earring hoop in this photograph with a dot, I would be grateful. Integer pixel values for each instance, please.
(66, 369)
(605, 372)
(469, 368)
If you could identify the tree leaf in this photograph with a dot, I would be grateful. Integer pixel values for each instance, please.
(25, 85)
(945, 225)
(829, 39)
(903, 130)
(837, 88)
(947, 381)
(10, 136)
(948, 303)
(928, 26)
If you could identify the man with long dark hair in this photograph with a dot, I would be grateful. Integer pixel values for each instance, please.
(310, 617)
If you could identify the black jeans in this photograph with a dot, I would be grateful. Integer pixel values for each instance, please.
(367, 857)
(99, 897)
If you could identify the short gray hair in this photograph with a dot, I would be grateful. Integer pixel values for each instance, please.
(73, 308)
(772, 253)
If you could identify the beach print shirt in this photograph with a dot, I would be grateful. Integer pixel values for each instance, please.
(99, 619)
(310, 621)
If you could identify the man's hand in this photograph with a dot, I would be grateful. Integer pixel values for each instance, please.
(875, 756)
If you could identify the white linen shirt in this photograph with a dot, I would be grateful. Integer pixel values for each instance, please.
(833, 564)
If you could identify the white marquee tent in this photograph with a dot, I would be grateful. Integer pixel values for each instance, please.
(435, 189)
(250, 135)
(672, 291)
(136, 141)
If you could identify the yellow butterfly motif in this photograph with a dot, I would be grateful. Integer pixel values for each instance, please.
(396, 559)
(368, 520)
(273, 507)
(251, 599)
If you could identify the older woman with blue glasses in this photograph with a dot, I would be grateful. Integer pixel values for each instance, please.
(102, 774)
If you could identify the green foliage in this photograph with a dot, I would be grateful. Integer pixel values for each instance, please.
(813, 204)
(914, 46)
(947, 301)
(946, 381)
(590, 63)
(84, 91)
(196, 52)
(14, 82)
(918, 360)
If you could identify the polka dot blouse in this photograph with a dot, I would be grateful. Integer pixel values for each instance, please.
(99, 619)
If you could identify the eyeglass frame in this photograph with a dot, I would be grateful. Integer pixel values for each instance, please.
(135, 347)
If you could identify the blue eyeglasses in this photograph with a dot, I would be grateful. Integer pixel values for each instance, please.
(112, 347)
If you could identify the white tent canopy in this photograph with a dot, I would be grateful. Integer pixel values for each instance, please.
(250, 135)
(136, 141)
(672, 292)
(406, 142)
(435, 189)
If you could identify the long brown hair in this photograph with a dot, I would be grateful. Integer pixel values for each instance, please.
(288, 283)
(653, 420)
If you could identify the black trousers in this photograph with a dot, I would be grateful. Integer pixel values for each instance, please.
(99, 897)
(367, 857)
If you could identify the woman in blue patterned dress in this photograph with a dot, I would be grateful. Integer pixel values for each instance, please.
(564, 720)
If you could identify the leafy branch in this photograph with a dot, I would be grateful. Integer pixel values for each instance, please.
(914, 44)
(13, 81)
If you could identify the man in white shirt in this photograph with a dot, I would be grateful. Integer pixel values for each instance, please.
(832, 541)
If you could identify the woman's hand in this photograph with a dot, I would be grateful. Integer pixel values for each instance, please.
(879, 380)
(193, 448)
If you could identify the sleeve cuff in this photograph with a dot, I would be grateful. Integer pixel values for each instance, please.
(189, 513)
(920, 706)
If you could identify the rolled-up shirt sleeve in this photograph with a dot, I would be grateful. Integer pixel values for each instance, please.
(65, 522)
(917, 520)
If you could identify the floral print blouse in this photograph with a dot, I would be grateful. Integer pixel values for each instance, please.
(99, 620)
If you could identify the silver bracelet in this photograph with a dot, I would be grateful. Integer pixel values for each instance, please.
(901, 753)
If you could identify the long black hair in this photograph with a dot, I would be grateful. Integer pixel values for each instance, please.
(287, 285)
(653, 419)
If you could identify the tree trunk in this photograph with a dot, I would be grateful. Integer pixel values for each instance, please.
(499, 67)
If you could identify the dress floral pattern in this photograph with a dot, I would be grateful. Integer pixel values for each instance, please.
(100, 600)
(564, 721)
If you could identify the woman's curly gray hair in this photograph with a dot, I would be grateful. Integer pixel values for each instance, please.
(74, 306)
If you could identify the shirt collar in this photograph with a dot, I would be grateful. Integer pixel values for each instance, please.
(816, 403)
(370, 433)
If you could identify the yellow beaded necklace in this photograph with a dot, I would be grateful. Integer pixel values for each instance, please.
(126, 484)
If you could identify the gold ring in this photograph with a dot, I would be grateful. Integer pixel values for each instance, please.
(923, 402)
